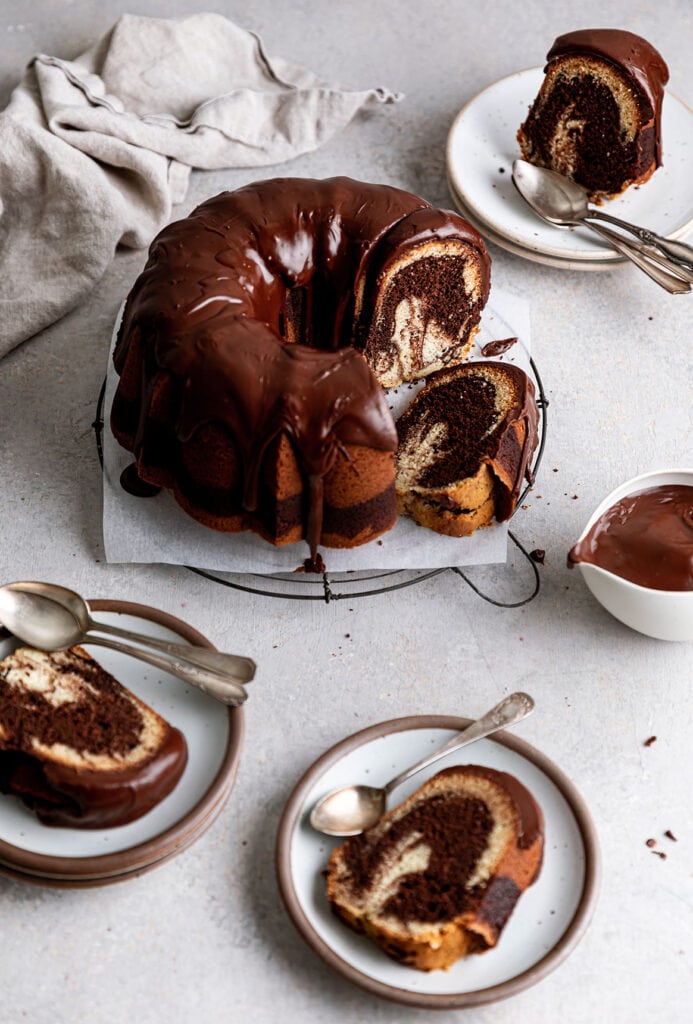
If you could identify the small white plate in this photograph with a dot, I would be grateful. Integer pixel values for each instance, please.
(213, 733)
(482, 146)
(550, 916)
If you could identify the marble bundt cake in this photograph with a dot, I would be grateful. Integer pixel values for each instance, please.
(465, 444)
(597, 117)
(255, 344)
(438, 877)
(77, 747)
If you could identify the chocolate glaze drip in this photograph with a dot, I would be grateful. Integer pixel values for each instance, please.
(131, 482)
(497, 348)
(632, 55)
(214, 303)
(63, 796)
(646, 538)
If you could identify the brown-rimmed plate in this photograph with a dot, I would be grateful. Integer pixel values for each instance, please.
(214, 734)
(549, 919)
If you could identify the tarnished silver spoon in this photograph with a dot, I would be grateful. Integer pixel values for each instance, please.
(239, 668)
(49, 626)
(352, 809)
(564, 204)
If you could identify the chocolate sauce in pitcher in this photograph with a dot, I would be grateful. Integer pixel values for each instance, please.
(646, 537)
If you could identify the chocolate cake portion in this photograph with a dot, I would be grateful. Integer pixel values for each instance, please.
(465, 444)
(438, 877)
(77, 747)
(254, 345)
(597, 117)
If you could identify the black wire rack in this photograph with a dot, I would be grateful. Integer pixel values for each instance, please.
(328, 587)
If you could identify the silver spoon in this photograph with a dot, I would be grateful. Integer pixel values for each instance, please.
(239, 668)
(561, 202)
(49, 626)
(352, 809)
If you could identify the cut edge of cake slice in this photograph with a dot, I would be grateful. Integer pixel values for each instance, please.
(465, 444)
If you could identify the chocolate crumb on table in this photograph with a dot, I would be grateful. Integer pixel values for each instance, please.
(651, 843)
(650, 741)
(660, 854)
(670, 835)
(538, 555)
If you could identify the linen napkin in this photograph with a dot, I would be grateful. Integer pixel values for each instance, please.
(93, 152)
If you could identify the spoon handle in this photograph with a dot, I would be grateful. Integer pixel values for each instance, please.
(680, 252)
(510, 710)
(238, 668)
(671, 284)
(649, 251)
(224, 689)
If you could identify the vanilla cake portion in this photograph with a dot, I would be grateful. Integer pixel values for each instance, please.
(438, 877)
(78, 747)
(465, 445)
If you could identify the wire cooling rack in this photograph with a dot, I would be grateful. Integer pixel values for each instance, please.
(327, 586)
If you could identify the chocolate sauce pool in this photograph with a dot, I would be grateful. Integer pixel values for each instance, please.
(646, 537)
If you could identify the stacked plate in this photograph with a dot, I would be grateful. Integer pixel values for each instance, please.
(74, 858)
(480, 152)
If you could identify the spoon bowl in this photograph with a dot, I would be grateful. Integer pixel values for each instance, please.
(352, 809)
(552, 196)
(563, 203)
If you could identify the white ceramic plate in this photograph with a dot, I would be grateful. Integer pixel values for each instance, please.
(213, 733)
(482, 141)
(548, 920)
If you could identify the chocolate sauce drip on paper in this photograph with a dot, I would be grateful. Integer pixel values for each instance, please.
(497, 348)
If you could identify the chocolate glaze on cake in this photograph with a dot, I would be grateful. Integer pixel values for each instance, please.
(646, 538)
(243, 331)
(77, 747)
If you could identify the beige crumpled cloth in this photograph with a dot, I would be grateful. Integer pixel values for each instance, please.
(93, 152)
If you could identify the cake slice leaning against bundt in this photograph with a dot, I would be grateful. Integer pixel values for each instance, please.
(597, 117)
(465, 444)
(77, 747)
(438, 877)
